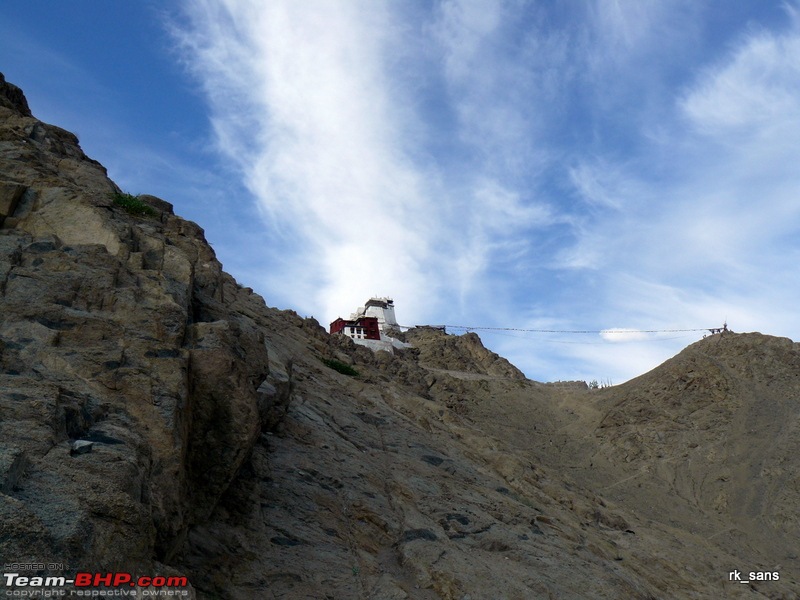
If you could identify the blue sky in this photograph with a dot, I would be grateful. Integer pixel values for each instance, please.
(536, 165)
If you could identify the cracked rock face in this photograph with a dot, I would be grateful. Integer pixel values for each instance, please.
(116, 336)
(158, 418)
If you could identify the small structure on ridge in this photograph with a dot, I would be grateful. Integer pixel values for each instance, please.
(370, 325)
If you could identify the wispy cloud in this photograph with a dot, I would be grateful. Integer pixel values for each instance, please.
(623, 335)
(515, 163)
(756, 91)
(701, 223)
(311, 104)
(504, 75)
(303, 104)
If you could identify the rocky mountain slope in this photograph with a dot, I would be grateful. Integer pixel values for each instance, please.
(159, 418)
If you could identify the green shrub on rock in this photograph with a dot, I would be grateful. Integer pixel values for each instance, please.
(341, 367)
(133, 205)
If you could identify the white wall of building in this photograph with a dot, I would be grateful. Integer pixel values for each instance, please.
(385, 343)
(383, 310)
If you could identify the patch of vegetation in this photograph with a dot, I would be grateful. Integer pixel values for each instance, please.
(341, 367)
(133, 205)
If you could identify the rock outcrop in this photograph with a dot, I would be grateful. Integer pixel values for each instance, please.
(123, 331)
(158, 418)
(461, 353)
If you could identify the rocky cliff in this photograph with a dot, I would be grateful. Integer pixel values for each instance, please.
(119, 330)
(159, 418)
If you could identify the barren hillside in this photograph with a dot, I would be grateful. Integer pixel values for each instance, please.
(159, 418)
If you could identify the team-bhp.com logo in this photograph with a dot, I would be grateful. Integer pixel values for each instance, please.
(95, 584)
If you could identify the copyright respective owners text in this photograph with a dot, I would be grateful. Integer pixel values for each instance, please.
(58, 580)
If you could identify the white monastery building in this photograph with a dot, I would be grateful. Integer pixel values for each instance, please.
(370, 324)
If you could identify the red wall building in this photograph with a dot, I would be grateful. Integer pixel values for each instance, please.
(362, 328)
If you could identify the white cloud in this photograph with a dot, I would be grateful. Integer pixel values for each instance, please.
(310, 102)
(462, 29)
(627, 30)
(715, 221)
(302, 103)
(756, 91)
(537, 203)
(622, 334)
(504, 209)
(603, 184)
(502, 92)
